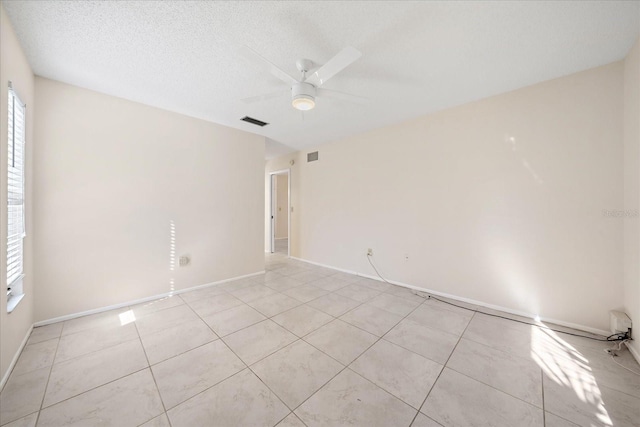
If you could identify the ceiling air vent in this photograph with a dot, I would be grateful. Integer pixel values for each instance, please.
(312, 157)
(254, 121)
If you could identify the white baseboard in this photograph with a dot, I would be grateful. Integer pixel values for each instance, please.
(342, 270)
(634, 352)
(139, 301)
(6, 375)
(468, 300)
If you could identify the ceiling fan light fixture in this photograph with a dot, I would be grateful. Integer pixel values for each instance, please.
(303, 102)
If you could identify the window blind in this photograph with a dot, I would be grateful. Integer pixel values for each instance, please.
(15, 189)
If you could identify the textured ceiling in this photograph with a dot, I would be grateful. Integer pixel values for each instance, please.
(418, 57)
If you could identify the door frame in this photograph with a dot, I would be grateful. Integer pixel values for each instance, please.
(272, 204)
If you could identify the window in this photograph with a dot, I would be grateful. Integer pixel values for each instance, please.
(15, 200)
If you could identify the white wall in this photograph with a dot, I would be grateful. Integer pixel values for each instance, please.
(632, 190)
(15, 68)
(114, 178)
(500, 200)
(282, 197)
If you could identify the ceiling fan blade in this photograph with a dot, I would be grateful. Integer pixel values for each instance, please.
(264, 64)
(265, 97)
(334, 94)
(336, 64)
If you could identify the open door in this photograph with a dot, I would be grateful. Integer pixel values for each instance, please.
(280, 212)
(273, 213)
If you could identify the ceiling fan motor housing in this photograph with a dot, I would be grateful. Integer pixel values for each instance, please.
(303, 89)
(303, 96)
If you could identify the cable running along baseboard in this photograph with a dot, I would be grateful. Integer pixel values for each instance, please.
(610, 338)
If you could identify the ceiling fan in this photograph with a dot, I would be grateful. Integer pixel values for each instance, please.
(305, 90)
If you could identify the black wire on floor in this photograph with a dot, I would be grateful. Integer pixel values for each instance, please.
(610, 338)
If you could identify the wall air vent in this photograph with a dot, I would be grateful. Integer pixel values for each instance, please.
(254, 121)
(312, 157)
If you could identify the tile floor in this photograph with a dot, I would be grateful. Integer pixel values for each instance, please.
(304, 345)
(282, 246)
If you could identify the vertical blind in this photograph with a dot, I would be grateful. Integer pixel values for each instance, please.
(15, 188)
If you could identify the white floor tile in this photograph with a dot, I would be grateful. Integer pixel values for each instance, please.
(371, 319)
(22, 395)
(176, 340)
(430, 343)
(36, 356)
(83, 373)
(302, 320)
(190, 373)
(258, 341)
(242, 400)
(521, 378)
(129, 401)
(374, 365)
(274, 304)
(232, 320)
(341, 341)
(406, 375)
(295, 372)
(349, 399)
(459, 400)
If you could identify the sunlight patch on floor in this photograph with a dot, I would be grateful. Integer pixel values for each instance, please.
(566, 366)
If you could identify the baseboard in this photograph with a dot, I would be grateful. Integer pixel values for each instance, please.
(634, 352)
(139, 301)
(468, 300)
(342, 270)
(6, 375)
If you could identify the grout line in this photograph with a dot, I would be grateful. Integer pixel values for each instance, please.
(242, 361)
(59, 362)
(100, 385)
(54, 363)
(494, 387)
(157, 416)
(443, 368)
(544, 413)
(256, 375)
(572, 423)
(96, 387)
(55, 353)
(155, 382)
(339, 317)
(351, 362)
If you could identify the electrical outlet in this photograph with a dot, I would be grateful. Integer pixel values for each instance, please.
(184, 261)
(369, 252)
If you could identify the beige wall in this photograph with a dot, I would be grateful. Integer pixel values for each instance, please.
(632, 190)
(499, 201)
(115, 178)
(15, 68)
(282, 217)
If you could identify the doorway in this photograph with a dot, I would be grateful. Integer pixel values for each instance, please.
(280, 212)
